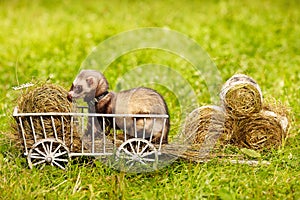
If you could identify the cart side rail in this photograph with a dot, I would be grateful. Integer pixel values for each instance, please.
(17, 114)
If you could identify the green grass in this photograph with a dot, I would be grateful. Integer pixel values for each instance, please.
(42, 39)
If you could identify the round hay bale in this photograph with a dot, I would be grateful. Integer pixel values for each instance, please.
(206, 125)
(44, 99)
(259, 131)
(241, 96)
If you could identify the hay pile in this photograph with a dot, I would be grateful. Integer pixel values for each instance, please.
(241, 96)
(243, 119)
(264, 130)
(206, 124)
(44, 99)
(259, 131)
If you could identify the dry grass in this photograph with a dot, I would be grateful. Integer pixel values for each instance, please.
(243, 120)
(46, 98)
(260, 131)
(207, 125)
(241, 96)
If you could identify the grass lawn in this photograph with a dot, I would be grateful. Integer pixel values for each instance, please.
(41, 40)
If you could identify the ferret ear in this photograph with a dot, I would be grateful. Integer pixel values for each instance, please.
(90, 81)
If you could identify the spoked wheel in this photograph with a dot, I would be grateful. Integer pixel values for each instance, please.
(137, 155)
(48, 152)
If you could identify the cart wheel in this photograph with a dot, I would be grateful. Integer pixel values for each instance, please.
(138, 155)
(48, 151)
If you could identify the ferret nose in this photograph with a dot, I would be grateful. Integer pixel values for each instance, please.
(69, 96)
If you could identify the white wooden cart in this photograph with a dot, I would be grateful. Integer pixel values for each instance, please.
(57, 146)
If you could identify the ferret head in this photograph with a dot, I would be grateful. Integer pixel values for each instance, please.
(87, 85)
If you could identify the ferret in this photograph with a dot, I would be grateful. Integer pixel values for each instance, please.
(92, 86)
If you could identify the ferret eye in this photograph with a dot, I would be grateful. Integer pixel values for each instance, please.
(78, 89)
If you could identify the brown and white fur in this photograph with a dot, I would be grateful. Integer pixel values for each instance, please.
(93, 87)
